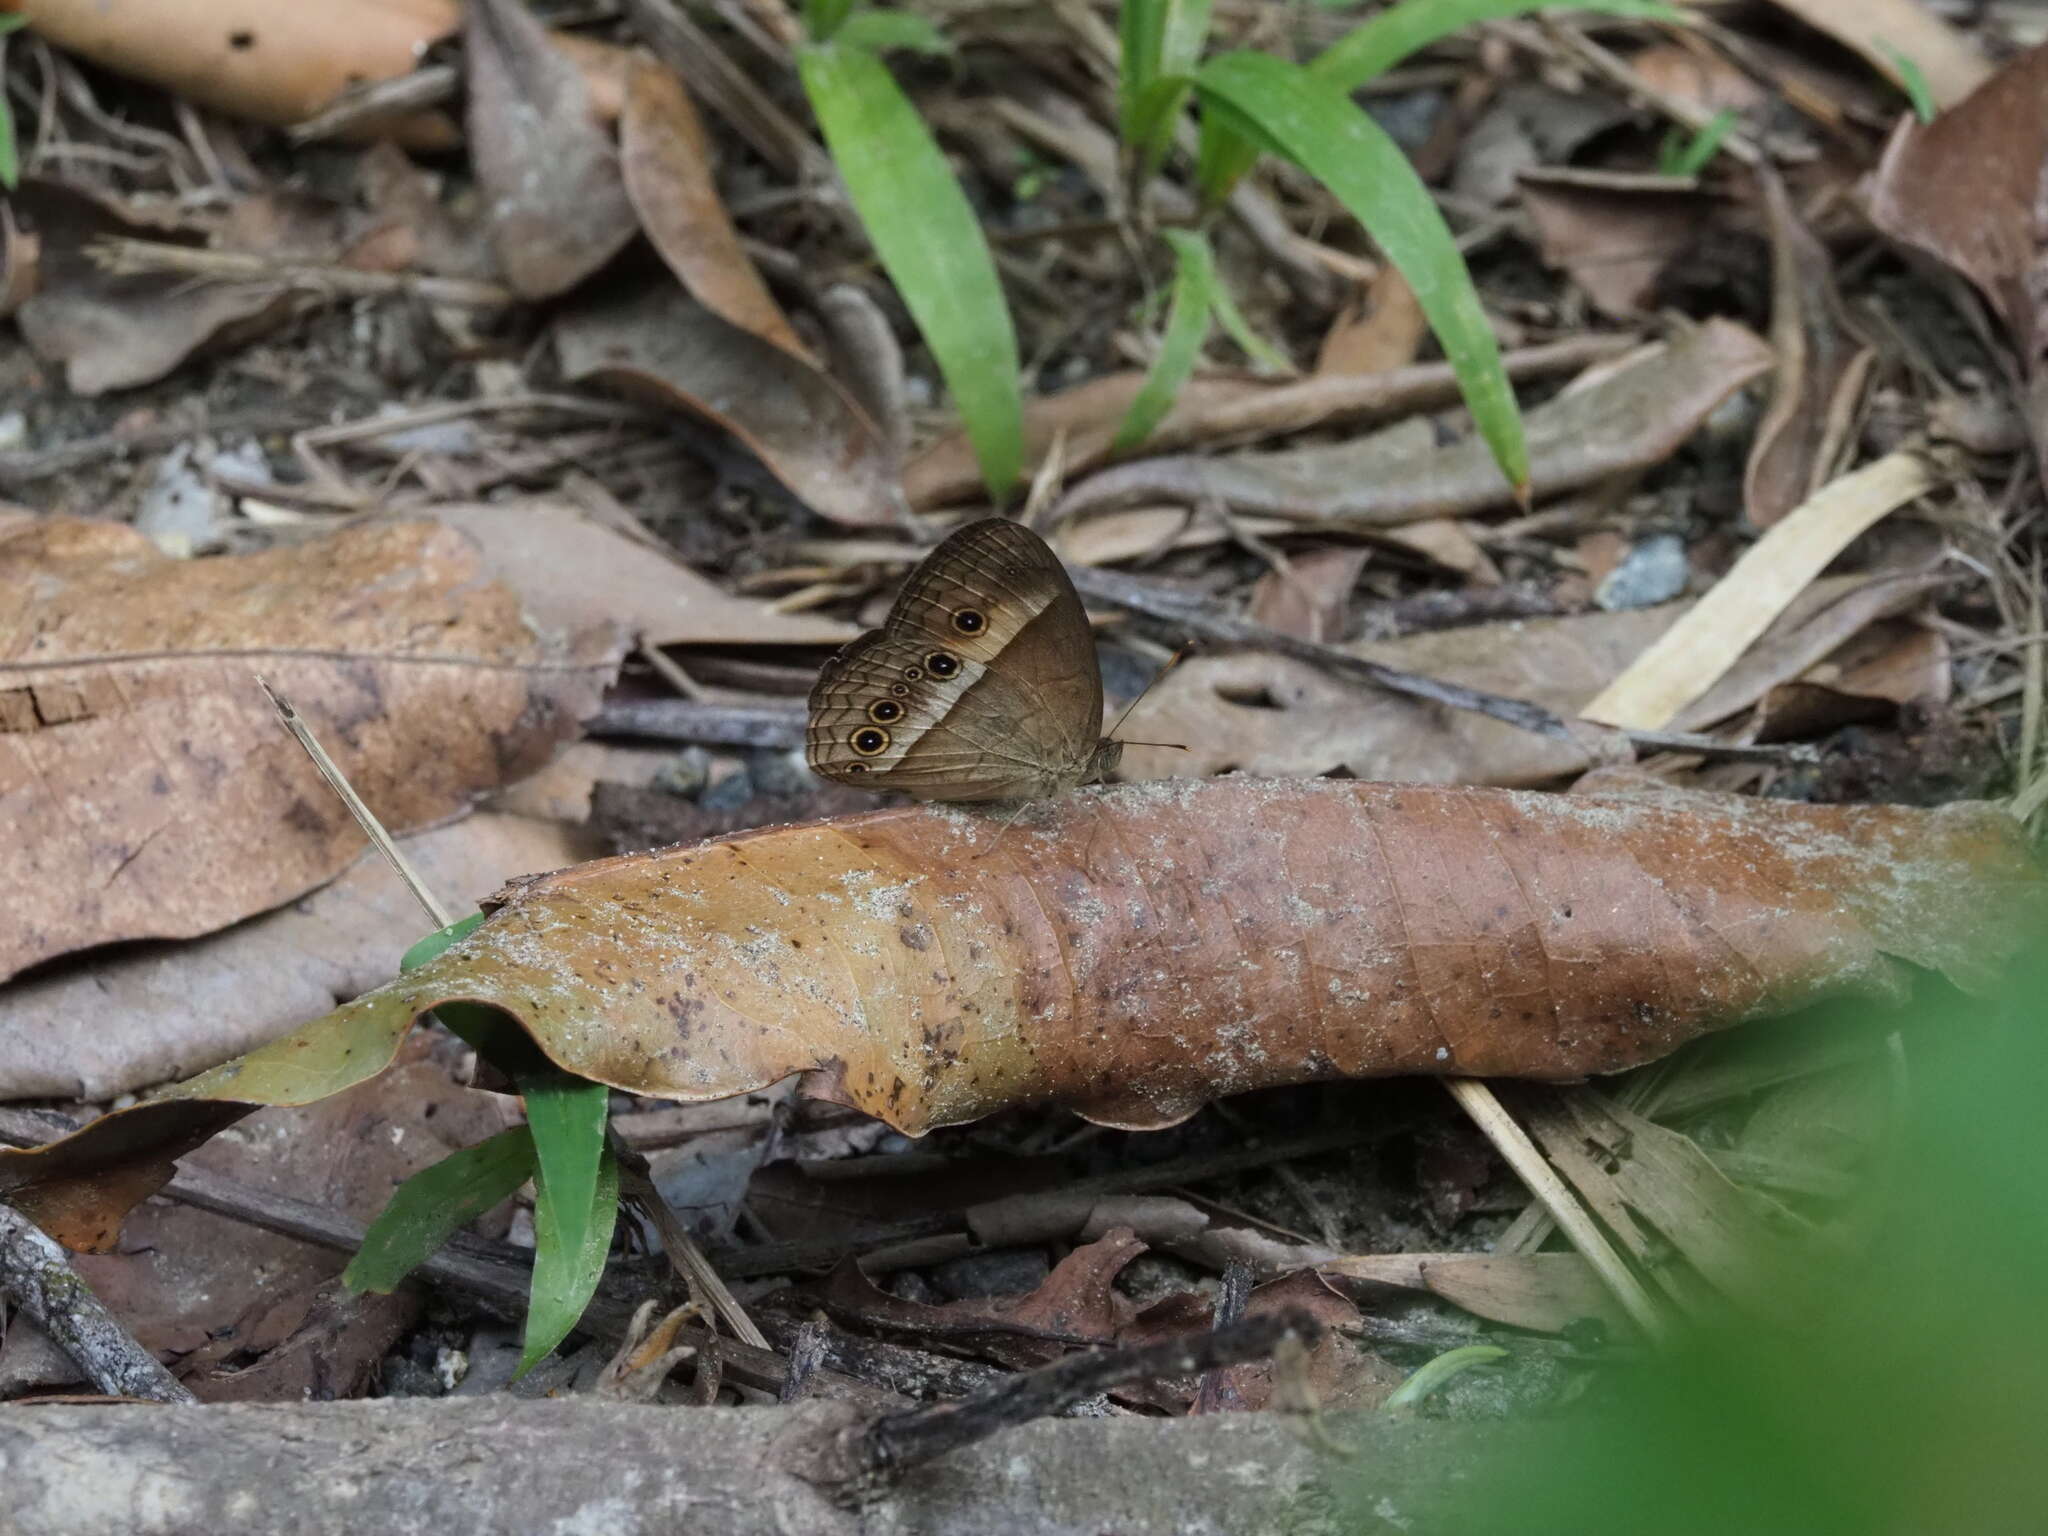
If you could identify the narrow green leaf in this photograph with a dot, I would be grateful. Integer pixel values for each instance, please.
(1323, 131)
(880, 31)
(565, 1273)
(1141, 39)
(1162, 43)
(1187, 323)
(1151, 135)
(1689, 156)
(1187, 32)
(1378, 45)
(436, 1203)
(433, 944)
(1913, 80)
(10, 160)
(930, 244)
(566, 1115)
(1266, 357)
(1433, 1374)
(824, 18)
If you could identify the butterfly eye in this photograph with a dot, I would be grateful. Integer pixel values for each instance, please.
(970, 621)
(913, 674)
(942, 663)
(899, 690)
(856, 767)
(869, 742)
(885, 711)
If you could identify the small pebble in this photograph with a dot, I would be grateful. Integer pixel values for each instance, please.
(1655, 571)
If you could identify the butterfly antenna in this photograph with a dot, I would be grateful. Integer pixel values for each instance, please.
(1171, 662)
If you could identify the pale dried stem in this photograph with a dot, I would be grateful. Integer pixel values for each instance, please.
(127, 257)
(1529, 1164)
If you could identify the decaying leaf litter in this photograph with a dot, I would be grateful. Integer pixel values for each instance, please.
(402, 426)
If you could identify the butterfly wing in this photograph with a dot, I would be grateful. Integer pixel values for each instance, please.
(982, 683)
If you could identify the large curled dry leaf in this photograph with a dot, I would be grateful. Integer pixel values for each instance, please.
(145, 784)
(1133, 953)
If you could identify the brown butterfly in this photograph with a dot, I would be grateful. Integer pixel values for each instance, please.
(982, 683)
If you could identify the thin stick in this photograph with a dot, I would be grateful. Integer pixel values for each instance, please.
(910, 1439)
(372, 827)
(121, 255)
(1513, 1143)
(689, 1260)
(35, 1272)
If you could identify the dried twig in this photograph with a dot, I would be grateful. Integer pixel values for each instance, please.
(910, 1439)
(1198, 616)
(35, 1273)
(124, 256)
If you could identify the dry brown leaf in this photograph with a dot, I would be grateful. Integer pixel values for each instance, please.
(1970, 189)
(1826, 619)
(1312, 596)
(257, 59)
(1614, 235)
(149, 789)
(1545, 1291)
(665, 346)
(1703, 78)
(573, 571)
(557, 201)
(1382, 331)
(1257, 713)
(1891, 34)
(1823, 366)
(193, 1283)
(667, 160)
(114, 332)
(1638, 414)
(109, 1024)
(916, 970)
(1892, 663)
(1078, 1303)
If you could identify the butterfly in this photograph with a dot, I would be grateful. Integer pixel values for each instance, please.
(982, 683)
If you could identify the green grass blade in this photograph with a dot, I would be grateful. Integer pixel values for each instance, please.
(10, 161)
(1323, 131)
(930, 244)
(824, 18)
(880, 31)
(1689, 156)
(1187, 32)
(1141, 37)
(1404, 29)
(1187, 323)
(1266, 357)
(565, 1274)
(433, 944)
(567, 1116)
(1435, 1373)
(436, 1203)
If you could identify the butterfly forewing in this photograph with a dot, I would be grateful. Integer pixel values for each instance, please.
(981, 684)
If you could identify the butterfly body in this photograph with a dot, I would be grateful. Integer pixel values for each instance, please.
(981, 684)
